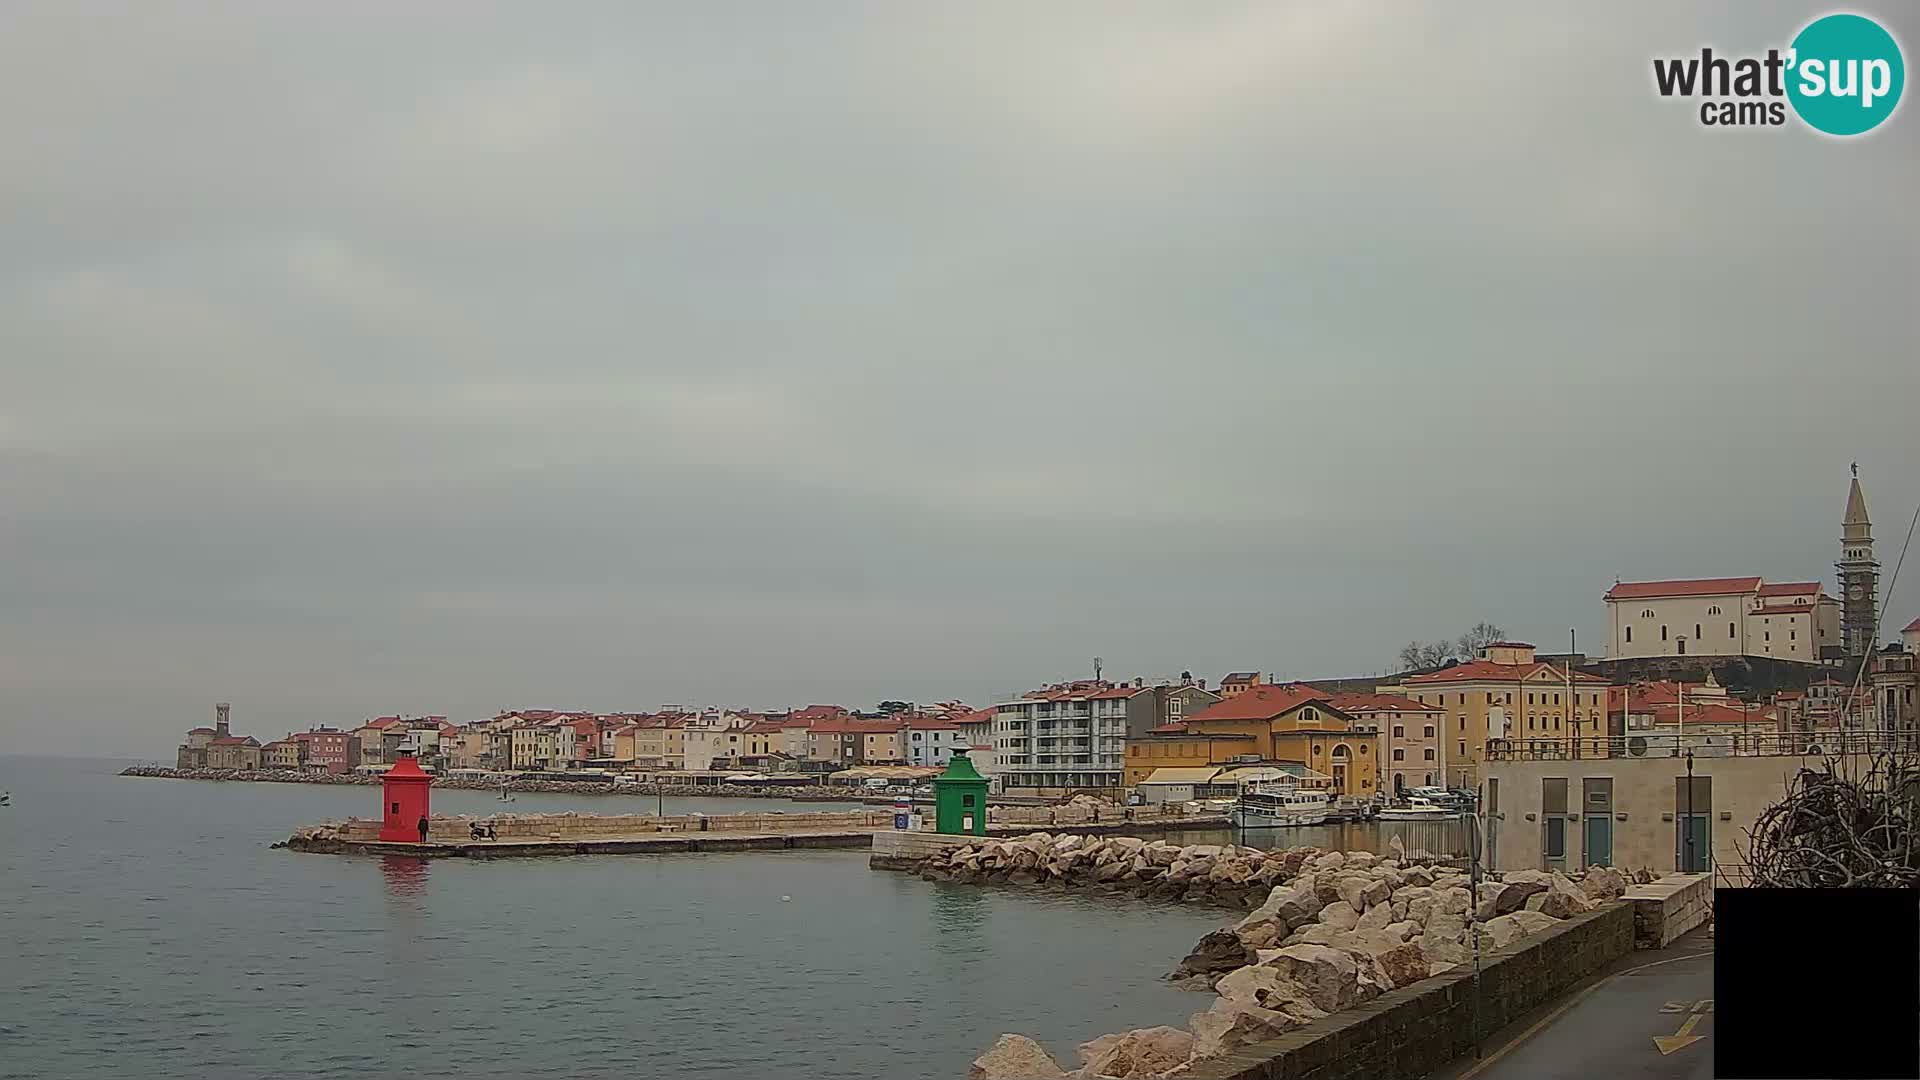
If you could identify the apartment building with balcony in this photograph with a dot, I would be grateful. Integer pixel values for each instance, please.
(1067, 737)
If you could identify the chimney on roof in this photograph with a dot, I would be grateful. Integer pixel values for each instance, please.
(220, 715)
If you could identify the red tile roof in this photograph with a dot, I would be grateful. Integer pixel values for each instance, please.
(931, 723)
(1912, 627)
(818, 712)
(1790, 588)
(200, 731)
(237, 740)
(1509, 645)
(1239, 676)
(1359, 703)
(1646, 590)
(1488, 671)
(1261, 702)
(856, 726)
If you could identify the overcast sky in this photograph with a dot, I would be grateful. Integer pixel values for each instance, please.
(760, 354)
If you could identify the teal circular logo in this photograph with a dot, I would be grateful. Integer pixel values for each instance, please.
(1845, 74)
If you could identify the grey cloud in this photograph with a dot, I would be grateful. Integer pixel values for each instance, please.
(359, 361)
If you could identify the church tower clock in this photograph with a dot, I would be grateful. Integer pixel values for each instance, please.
(1859, 573)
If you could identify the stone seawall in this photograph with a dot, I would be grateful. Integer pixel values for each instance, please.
(1408, 1033)
(572, 827)
(1669, 907)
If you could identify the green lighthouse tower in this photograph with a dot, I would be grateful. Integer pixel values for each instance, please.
(960, 798)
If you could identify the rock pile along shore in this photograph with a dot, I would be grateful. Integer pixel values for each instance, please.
(555, 787)
(1329, 930)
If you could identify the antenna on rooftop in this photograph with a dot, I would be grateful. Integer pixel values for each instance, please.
(1096, 668)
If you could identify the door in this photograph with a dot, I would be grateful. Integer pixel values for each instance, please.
(1599, 828)
(1556, 843)
(1695, 854)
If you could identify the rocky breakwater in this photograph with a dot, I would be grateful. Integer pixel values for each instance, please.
(1340, 929)
(1221, 875)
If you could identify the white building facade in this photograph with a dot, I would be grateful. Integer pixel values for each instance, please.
(1742, 616)
(1067, 737)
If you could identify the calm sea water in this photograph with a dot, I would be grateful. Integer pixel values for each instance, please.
(147, 930)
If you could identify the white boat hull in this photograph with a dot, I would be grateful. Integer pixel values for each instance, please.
(1247, 818)
(1391, 814)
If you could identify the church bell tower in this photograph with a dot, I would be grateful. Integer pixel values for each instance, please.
(1859, 574)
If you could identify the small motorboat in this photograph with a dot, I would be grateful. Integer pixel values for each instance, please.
(1417, 809)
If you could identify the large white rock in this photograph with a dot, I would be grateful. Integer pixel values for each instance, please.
(1015, 1057)
(1267, 988)
(1603, 883)
(1227, 1026)
(1503, 930)
(1403, 964)
(1561, 900)
(1339, 914)
(1360, 860)
(1376, 917)
(1142, 1053)
(1532, 922)
(1329, 976)
(1331, 860)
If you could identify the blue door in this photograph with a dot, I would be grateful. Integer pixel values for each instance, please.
(1599, 829)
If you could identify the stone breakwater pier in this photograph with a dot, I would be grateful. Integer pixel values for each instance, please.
(451, 836)
(1340, 955)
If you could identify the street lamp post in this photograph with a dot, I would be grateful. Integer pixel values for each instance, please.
(1686, 829)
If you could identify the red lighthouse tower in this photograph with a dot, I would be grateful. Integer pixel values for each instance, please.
(404, 794)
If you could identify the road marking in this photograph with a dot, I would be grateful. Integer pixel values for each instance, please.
(1517, 1040)
(1704, 1005)
(1681, 1039)
(1674, 1007)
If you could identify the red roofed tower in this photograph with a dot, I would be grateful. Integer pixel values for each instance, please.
(404, 801)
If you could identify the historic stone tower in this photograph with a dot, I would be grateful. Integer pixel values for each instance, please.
(1859, 574)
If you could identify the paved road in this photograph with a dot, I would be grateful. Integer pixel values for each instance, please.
(1608, 1030)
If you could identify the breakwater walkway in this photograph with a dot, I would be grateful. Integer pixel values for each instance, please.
(517, 835)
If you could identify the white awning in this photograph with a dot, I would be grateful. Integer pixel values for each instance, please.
(1187, 775)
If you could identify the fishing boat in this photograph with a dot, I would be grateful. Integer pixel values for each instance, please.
(1418, 808)
(1274, 806)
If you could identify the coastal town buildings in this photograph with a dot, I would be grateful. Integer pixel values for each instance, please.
(1408, 736)
(1236, 683)
(1068, 737)
(1739, 616)
(929, 741)
(1266, 724)
(1859, 574)
(1895, 692)
(281, 754)
(324, 750)
(233, 752)
(1505, 695)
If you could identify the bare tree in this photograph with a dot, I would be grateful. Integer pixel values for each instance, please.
(1477, 637)
(1419, 656)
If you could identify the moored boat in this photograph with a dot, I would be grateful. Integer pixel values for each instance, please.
(1417, 809)
(1272, 806)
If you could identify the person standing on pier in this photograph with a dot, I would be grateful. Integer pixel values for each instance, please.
(423, 828)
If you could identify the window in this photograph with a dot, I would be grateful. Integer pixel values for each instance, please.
(1463, 722)
(1793, 635)
(1696, 631)
(1399, 731)
(1463, 750)
(1663, 631)
(1429, 753)
(1647, 613)
(1556, 838)
(1363, 749)
(1766, 635)
(1429, 731)
(1399, 754)
(1530, 699)
(1556, 699)
(1729, 629)
(1714, 610)
(1509, 700)
(1463, 699)
(1629, 633)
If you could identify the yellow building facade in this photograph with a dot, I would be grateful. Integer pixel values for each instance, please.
(1506, 694)
(1265, 724)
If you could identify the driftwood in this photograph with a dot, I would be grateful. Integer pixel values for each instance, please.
(1842, 826)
